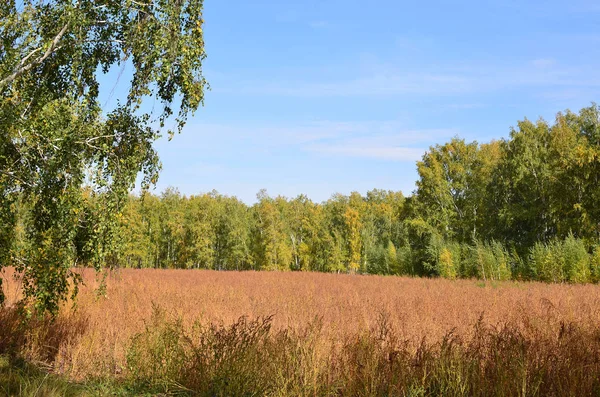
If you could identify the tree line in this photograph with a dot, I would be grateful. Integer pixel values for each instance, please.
(523, 207)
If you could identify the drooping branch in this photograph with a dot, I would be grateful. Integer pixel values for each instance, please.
(25, 67)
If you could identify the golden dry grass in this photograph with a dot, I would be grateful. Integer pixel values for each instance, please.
(416, 308)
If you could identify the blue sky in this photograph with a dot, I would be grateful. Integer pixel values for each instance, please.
(318, 97)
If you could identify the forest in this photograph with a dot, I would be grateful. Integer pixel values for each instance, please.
(524, 207)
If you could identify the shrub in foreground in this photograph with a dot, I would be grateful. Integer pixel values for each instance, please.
(250, 358)
(37, 338)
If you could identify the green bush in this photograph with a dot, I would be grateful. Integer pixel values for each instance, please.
(576, 260)
(242, 359)
(595, 264)
(444, 257)
(487, 261)
(26, 380)
(502, 267)
(560, 261)
(404, 261)
(449, 261)
(157, 355)
(545, 264)
(519, 266)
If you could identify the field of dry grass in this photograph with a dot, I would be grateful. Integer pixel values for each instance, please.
(417, 310)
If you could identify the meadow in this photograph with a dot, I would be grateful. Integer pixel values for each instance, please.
(200, 332)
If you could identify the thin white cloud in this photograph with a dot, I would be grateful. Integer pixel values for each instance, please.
(299, 133)
(414, 43)
(458, 106)
(375, 152)
(385, 140)
(567, 95)
(378, 84)
(387, 80)
(402, 145)
(584, 6)
(543, 63)
(319, 24)
(202, 169)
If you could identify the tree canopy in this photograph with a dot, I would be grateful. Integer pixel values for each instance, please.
(60, 148)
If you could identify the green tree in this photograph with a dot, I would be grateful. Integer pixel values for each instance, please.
(136, 248)
(392, 262)
(318, 244)
(574, 152)
(522, 186)
(232, 234)
(353, 226)
(272, 245)
(171, 213)
(199, 242)
(449, 191)
(56, 135)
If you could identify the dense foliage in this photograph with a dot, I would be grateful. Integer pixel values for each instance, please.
(58, 136)
(522, 207)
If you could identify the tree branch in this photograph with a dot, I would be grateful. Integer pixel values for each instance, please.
(24, 68)
(29, 56)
